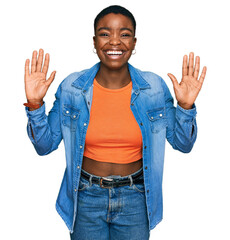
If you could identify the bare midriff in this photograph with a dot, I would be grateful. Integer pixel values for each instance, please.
(104, 169)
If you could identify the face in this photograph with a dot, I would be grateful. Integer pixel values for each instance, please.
(114, 40)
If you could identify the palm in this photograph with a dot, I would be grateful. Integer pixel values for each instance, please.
(188, 89)
(36, 84)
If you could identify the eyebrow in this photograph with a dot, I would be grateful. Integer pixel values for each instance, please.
(107, 28)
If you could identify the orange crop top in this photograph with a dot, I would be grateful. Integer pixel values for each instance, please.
(113, 134)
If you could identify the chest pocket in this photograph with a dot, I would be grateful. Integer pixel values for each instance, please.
(157, 118)
(70, 116)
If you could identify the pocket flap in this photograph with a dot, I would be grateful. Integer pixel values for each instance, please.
(70, 111)
(156, 114)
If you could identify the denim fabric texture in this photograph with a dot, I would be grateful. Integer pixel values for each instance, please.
(158, 119)
(116, 213)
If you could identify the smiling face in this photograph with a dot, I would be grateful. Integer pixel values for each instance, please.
(114, 40)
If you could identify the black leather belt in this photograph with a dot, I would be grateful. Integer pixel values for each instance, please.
(114, 182)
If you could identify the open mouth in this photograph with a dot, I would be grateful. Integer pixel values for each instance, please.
(114, 53)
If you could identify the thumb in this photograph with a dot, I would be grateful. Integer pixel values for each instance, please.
(173, 79)
(51, 78)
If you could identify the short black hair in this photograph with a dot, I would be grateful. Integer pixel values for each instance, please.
(117, 10)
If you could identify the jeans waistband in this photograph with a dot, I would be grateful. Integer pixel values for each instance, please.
(114, 180)
(115, 176)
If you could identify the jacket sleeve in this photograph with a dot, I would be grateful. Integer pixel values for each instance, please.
(181, 124)
(45, 131)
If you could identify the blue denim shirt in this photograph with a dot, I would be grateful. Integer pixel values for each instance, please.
(152, 107)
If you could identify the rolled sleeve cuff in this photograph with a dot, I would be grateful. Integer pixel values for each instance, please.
(186, 114)
(37, 115)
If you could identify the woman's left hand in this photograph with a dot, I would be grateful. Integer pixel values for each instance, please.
(188, 89)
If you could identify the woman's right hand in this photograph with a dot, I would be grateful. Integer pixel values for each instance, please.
(36, 84)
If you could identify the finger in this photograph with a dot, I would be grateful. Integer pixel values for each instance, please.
(191, 62)
(174, 80)
(46, 64)
(185, 66)
(202, 76)
(27, 71)
(51, 78)
(197, 67)
(34, 62)
(40, 59)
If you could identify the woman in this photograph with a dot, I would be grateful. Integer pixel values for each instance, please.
(113, 119)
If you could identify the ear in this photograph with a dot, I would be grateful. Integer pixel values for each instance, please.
(94, 41)
(135, 41)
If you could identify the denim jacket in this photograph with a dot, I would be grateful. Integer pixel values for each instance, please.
(158, 119)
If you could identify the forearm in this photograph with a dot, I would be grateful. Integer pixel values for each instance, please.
(41, 131)
(182, 128)
(32, 108)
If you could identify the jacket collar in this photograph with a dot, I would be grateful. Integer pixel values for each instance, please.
(85, 80)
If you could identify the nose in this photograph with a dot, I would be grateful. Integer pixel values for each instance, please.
(114, 40)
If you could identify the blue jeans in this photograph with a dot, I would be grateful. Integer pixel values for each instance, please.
(117, 213)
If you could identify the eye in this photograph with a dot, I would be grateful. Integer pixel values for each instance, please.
(104, 34)
(125, 35)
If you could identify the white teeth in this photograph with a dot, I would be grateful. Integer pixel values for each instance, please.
(114, 52)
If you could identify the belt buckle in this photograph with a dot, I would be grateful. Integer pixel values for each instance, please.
(104, 178)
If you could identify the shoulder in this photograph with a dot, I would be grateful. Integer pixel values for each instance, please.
(66, 84)
(78, 79)
(150, 76)
(153, 79)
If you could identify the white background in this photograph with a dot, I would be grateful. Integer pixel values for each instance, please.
(195, 186)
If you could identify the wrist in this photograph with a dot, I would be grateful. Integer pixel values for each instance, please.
(33, 105)
(34, 101)
(185, 106)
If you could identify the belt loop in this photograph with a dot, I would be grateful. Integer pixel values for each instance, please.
(131, 180)
(90, 180)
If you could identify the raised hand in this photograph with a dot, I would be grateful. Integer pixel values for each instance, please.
(36, 84)
(188, 89)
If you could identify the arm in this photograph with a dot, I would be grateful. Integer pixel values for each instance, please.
(45, 131)
(182, 128)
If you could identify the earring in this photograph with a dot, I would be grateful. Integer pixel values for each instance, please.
(134, 51)
(94, 50)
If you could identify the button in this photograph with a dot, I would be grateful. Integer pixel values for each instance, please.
(161, 115)
(78, 166)
(151, 117)
(84, 91)
(74, 116)
(75, 189)
(146, 168)
(132, 104)
(67, 112)
(88, 103)
(85, 124)
(149, 213)
(80, 146)
(141, 124)
(145, 147)
(147, 191)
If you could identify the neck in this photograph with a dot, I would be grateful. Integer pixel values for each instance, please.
(113, 79)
